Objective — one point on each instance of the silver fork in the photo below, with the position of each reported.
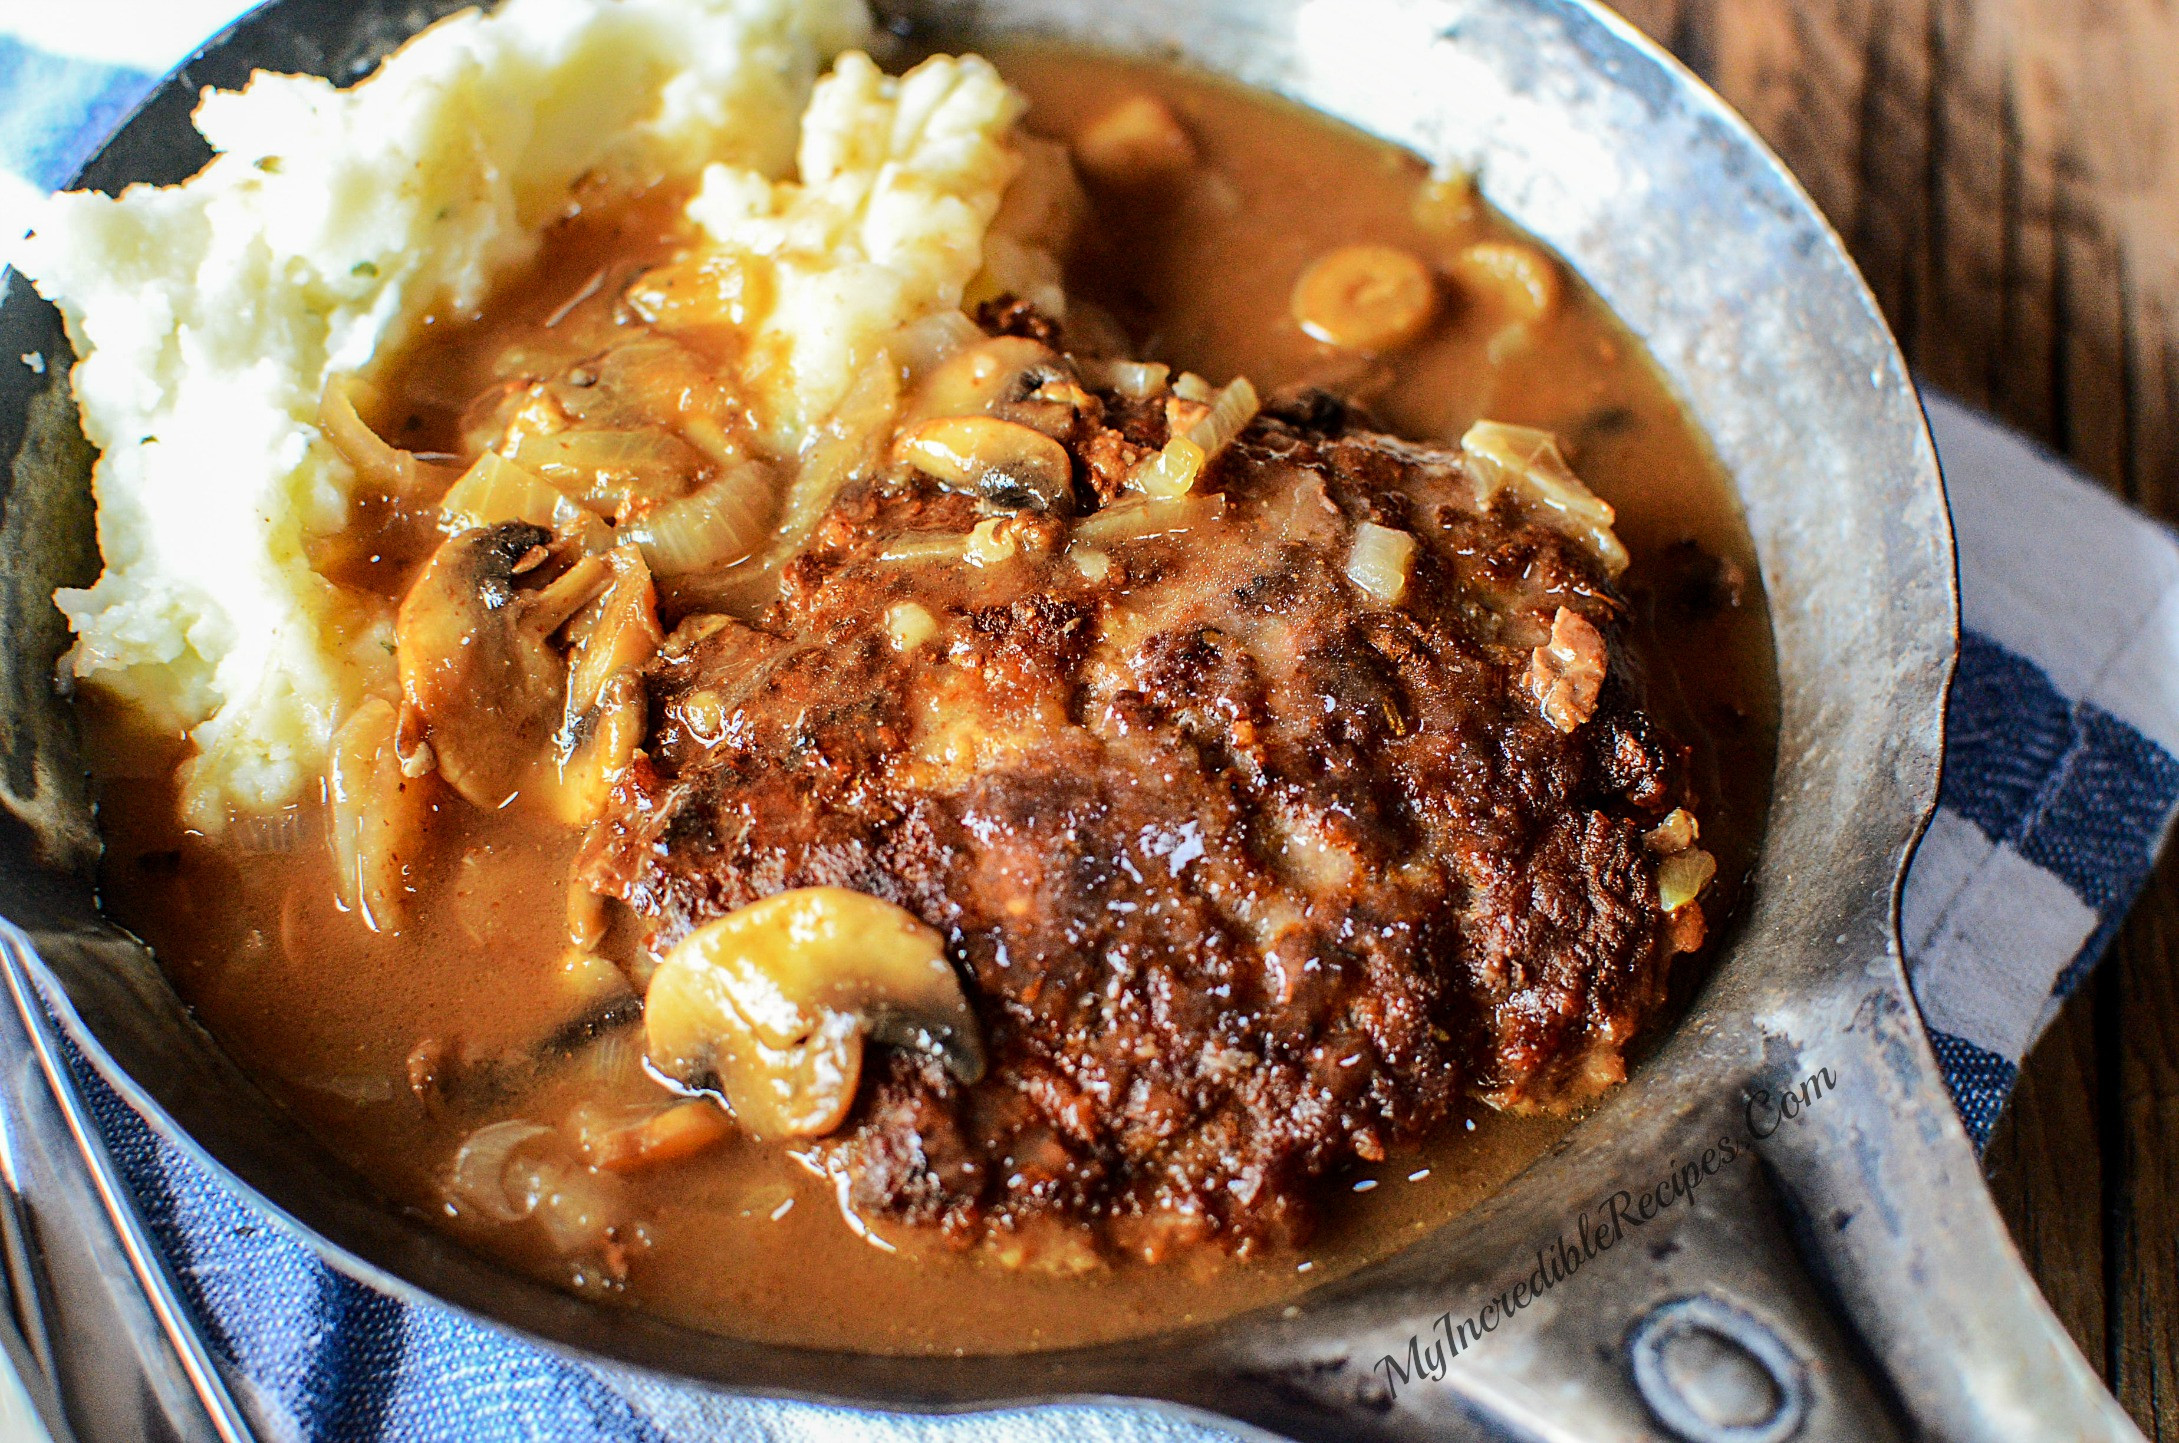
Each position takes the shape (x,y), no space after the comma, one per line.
(94,1322)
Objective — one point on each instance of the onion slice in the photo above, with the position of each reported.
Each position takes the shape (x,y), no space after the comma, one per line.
(604,468)
(1229,415)
(1528,462)
(1136,380)
(1145,517)
(377,463)
(720,523)
(921,345)
(483,1171)
(1380,561)
(279,832)
(1175,469)
(849,444)
(496,489)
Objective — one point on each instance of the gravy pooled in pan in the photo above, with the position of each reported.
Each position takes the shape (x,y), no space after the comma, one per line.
(1202,784)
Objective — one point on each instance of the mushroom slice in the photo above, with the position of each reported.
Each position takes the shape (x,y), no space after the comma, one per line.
(1004,462)
(696,1036)
(989,373)
(475,661)
(774,1000)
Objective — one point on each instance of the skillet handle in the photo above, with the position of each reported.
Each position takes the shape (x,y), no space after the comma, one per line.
(1701,1325)
(1846,1279)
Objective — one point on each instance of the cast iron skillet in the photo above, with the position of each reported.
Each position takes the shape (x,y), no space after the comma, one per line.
(1843,1276)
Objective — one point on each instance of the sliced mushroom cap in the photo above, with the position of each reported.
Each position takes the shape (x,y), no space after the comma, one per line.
(1366,298)
(697,1036)
(1004,462)
(772,1002)
(471,642)
(989,373)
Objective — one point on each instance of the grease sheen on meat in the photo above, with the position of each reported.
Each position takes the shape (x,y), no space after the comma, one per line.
(1247,872)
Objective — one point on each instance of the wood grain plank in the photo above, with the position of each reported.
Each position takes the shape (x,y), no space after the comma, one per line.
(2026,389)
(2093,101)
(2093,422)
(1659,19)
(2144,1311)
(1844,113)
(2007,175)
(2152,364)
(1960,343)
(2045,1169)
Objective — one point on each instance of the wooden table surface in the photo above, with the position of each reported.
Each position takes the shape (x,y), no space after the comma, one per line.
(2007,174)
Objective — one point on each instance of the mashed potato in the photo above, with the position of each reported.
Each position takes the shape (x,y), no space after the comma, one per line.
(898,182)
(208,316)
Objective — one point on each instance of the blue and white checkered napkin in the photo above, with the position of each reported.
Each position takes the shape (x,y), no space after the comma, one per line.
(2061,763)
(2060,780)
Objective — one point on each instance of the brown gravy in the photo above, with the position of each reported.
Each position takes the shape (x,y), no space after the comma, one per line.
(742,1239)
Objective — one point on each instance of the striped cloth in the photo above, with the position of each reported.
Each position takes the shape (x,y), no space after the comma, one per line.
(2060,781)
(2060,774)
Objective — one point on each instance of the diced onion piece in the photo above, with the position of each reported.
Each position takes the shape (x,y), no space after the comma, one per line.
(1229,415)
(1191,387)
(387,467)
(1682,875)
(589,984)
(1171,472)
(1136,380)
(990,543)
(1380,561)
(921,346)
(485,1176)
(910,625)
(1094,565)
(720,523)
(1148,516)
(496,489)
(1676,833)
(1446,203)
(703,712)
(607,468)
(1528,462)
(924,546)
(575,1207)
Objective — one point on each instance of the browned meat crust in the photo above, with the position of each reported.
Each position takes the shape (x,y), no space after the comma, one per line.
(1247,873)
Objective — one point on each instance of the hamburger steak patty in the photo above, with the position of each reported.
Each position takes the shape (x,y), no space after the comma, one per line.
(1247,871)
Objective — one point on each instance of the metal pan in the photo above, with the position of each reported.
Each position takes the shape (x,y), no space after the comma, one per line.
(1776,1230)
